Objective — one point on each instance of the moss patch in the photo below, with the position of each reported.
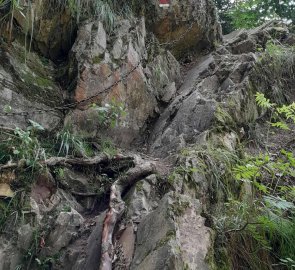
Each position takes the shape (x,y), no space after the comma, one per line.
(97,59)
(34,76)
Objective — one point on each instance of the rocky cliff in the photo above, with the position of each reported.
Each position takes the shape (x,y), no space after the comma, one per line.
(149,95)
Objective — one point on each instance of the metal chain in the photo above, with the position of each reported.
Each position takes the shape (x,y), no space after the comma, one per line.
(180,37)
(67,106)
(73,105)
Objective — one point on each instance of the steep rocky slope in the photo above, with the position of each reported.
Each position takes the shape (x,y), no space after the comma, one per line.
(70,214)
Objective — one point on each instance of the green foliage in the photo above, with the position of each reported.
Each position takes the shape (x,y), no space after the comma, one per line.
(234,215)
(110,114)
(32,258)
(12,209)
(281,115)
(71,144)
(31,146)
(223,7)
(288,262)
(262,101)
(266,172)
(103,10)
(251,13)
(278,224)
(252,230)
(223,117)
(108,147)
(215,163)
(45,263)
(274,73)
(183,172)
(7,10)
(246,14)
(23,145)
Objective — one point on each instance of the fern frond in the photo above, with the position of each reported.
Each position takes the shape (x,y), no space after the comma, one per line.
(262,101)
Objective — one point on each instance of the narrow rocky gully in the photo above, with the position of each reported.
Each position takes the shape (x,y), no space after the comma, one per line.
(108,128)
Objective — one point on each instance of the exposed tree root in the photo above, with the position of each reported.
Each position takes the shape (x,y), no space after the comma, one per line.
(89,194)
(117,207)
(53,161)
(6,129)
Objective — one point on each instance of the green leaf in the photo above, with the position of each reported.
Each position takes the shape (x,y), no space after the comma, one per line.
(281,125)
(7,109)
(16,152)
(36,125)
(263,102)
(260,187)
(278,202)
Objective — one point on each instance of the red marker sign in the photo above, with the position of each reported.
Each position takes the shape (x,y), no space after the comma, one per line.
(164,3)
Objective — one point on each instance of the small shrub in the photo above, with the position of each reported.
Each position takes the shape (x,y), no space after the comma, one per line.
(71,144)
(274,73)
(110,114)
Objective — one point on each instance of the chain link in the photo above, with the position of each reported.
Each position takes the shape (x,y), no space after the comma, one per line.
(180,37)
(66,107)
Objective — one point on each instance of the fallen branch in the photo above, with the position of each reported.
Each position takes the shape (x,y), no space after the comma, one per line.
(117,207)
(54,161)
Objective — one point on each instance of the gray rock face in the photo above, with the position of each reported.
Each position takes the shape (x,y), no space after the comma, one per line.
(20,104)
(52,32)
(101,65)
(10,256)
(74,181)
(29,87)
(218,88)
(142,199)
(154,233)
(153,229)
(164,237)
(25,236)
(185,24)
(65,229)
(84,254)
(189,114)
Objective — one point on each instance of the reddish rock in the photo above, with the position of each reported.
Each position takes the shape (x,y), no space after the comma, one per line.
(43,188)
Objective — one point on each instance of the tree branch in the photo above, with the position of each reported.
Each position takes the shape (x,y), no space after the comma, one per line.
(54,161)
(243,227)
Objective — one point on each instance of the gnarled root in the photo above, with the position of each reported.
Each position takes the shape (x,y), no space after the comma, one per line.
(117,207)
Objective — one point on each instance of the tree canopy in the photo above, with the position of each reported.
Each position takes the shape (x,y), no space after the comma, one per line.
(236,14)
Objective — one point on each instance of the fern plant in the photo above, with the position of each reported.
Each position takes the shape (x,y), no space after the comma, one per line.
(280,115)
(269,221)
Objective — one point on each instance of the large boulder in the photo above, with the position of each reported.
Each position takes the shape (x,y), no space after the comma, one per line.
(220,89)
(119,70)
(50,25)
(10,256)
(190,25)
(167,237)
(27,84)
